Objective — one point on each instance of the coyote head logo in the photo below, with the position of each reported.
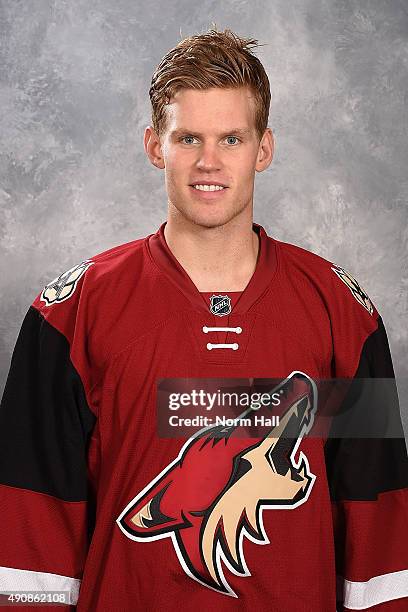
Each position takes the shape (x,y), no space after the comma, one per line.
(215,491)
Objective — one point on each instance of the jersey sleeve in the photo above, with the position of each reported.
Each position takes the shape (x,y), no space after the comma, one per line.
(368,472)
(46,423)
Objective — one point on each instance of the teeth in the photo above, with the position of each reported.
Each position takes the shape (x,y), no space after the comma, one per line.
(208,187)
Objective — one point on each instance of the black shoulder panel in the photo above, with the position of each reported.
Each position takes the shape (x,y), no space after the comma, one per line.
(361,468)
(45,421)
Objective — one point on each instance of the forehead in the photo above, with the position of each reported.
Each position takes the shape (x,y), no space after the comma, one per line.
(212,108)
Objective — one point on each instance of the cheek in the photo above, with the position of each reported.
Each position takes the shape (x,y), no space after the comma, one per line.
(176,163)
(244,165)
(176,177)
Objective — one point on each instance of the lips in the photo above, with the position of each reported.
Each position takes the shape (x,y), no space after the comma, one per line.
(208,195)
(209,183)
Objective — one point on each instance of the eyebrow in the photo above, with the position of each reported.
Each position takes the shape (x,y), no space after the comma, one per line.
(240,131)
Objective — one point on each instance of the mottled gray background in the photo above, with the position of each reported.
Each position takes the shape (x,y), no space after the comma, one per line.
(74,103)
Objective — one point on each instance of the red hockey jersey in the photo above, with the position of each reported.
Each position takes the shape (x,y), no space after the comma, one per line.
(95,503)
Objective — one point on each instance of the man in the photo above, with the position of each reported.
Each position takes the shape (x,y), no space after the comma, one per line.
(101,499)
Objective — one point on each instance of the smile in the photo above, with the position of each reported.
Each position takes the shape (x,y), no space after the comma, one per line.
(208,187)
(208,192)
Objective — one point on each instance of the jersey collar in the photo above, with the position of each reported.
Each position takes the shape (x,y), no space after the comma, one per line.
(265,270)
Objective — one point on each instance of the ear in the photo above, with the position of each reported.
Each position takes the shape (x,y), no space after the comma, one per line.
(152,147)
(144,517)
(265,151)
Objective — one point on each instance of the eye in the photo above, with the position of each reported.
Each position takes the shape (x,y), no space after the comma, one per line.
(241,467)
(233,137)
(184,137)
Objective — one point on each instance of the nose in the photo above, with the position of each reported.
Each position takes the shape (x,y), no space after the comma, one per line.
(208,157)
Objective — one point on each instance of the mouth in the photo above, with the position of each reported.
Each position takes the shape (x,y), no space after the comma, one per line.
(213,194)
(280,453)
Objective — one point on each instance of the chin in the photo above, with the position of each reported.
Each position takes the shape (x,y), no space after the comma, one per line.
(209,218)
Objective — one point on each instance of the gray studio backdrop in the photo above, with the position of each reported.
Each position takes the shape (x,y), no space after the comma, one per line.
(74,104)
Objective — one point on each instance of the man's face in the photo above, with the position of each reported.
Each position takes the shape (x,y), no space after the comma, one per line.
(210,138)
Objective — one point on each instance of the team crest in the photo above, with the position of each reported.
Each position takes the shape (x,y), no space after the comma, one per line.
(64,285)
(220,305)
(214,493)
(355,288)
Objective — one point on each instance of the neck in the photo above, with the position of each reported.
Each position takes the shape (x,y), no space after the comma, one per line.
(216,258)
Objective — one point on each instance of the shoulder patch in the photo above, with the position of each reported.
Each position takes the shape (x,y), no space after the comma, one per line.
(64,285)
(356,289)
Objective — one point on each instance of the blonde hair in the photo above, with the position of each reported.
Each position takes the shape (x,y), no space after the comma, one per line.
(213,59)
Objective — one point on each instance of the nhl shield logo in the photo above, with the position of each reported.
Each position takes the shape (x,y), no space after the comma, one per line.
(220,305)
